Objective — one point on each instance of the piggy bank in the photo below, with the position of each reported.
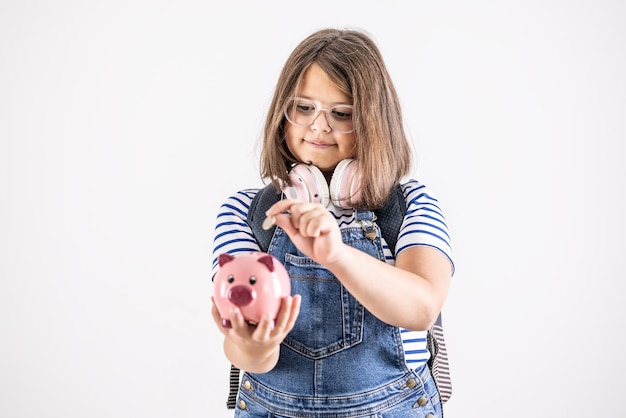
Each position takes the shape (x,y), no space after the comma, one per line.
(255,282)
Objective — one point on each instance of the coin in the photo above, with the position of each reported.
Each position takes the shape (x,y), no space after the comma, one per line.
(268,222)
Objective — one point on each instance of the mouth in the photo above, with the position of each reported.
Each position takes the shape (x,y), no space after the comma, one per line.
(318,144)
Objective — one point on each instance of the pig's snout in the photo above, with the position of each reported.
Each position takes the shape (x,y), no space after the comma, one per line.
(241,295)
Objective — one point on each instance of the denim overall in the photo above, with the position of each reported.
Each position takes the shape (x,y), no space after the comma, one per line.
(339,360)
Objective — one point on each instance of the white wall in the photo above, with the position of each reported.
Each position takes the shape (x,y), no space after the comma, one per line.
(124,124)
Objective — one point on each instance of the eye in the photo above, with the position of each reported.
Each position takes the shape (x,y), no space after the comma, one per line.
(231,278)
(304,108)
(342,113)
(252,280)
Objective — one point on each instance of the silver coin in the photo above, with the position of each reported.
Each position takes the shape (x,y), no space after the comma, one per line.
(269,222)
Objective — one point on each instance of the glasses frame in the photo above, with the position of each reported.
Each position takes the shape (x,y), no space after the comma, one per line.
(318,109)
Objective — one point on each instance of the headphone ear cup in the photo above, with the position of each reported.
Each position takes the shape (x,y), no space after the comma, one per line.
(308,184)
(345,184)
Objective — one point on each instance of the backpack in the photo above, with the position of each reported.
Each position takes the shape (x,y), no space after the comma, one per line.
(389,219)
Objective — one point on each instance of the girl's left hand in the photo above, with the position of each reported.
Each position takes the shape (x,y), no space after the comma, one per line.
(311,227)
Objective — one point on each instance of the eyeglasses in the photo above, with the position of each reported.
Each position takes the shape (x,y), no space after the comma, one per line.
(303,112)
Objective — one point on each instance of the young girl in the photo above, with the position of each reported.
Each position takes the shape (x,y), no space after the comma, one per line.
(350,341)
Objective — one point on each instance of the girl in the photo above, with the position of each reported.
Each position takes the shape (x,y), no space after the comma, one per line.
(350,341)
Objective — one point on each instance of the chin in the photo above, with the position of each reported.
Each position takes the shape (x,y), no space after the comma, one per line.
(324,168)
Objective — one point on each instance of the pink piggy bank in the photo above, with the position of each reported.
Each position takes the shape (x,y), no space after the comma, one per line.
(255,282)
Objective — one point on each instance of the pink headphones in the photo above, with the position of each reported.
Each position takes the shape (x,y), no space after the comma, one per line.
(309,184)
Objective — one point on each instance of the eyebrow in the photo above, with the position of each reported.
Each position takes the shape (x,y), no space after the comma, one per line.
(319,101)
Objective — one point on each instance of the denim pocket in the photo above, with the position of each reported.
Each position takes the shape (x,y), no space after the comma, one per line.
(331,319)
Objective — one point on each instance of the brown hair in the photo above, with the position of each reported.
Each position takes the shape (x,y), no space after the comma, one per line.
(354,63)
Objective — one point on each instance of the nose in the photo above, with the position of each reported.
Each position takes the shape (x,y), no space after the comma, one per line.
(241,295)
(320,123)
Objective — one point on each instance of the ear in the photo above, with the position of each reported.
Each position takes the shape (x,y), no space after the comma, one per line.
(268,261)
(224,258)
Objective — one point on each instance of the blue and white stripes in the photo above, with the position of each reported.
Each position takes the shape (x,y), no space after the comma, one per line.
(414,344)
(424,223)
(232,233)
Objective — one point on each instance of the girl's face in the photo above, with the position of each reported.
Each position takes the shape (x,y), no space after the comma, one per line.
(318,143)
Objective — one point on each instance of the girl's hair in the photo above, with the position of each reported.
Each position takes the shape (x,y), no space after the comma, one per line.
(355,65)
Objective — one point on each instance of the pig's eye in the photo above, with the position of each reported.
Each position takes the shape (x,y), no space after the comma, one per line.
(252,280)
(231,278)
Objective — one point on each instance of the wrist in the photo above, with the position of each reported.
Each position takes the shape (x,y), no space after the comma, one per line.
(254,361)
(340,259)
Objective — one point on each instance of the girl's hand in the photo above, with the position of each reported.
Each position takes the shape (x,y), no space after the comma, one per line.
(311,227)
(256,342)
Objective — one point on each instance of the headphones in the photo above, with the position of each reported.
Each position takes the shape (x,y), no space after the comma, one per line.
(308,184)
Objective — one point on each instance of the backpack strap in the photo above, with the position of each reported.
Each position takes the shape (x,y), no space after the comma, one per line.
(261,202)
(390,217)
(233,387)
(438,361)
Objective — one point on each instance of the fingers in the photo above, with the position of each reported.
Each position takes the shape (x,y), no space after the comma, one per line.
(312,223)
(284,221)
(289,311)
(267,330)
(294,311)
(237,321)
(217,317)
(282,206)
(309,219)
(276,330)
(215,313)
(238,325)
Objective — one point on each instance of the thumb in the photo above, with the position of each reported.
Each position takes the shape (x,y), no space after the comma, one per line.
(284,221)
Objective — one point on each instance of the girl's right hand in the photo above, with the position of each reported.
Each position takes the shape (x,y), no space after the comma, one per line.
(254,348)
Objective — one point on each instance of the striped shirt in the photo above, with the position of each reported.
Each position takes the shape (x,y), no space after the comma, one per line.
(423,225)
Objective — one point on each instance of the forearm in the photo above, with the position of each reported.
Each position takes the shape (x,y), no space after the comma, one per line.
(394,295)
(409,294)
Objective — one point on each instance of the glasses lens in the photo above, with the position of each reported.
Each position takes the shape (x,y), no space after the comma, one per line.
(302,112)
(340,118)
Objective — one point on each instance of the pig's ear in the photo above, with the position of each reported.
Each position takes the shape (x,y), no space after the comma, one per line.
(268,261)
(224,258)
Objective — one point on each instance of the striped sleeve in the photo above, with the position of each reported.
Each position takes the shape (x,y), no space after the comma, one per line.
(232,233)
(415,348)
(424,223)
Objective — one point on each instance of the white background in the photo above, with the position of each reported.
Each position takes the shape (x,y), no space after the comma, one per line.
(124,124)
